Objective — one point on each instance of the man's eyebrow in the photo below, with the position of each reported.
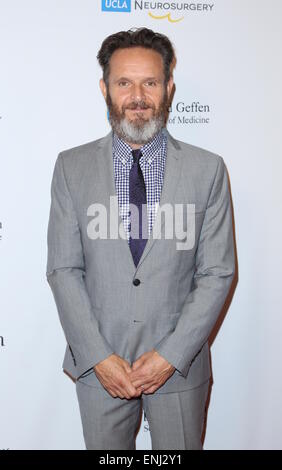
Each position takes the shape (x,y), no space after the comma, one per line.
(129,80)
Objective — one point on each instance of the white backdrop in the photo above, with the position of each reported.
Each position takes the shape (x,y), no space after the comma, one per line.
(229,60)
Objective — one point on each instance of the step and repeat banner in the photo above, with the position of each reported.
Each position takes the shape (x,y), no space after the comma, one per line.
(227,100)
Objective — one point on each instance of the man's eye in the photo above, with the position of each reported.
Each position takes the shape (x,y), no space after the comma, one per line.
(123,83)
(151,83)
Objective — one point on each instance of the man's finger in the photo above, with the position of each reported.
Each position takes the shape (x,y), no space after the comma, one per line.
(136,364)
(129,388)
(112,392)
(138,373)
(150,390)
(146,383)
(127,368)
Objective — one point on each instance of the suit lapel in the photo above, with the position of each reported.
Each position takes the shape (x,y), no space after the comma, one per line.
(171,176)
(106,170)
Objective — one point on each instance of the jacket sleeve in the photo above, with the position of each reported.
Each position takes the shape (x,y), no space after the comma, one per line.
(215,267)
(65,275)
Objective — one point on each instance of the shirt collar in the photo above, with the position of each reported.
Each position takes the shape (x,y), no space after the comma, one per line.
(149,150)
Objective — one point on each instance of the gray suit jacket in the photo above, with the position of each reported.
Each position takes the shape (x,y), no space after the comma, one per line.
(181,293)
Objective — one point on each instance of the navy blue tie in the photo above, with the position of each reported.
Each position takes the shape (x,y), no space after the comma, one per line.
(137,196)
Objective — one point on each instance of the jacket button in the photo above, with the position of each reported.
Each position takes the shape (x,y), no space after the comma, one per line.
(136,282)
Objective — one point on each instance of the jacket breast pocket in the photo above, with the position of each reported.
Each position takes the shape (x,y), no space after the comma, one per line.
(188,222)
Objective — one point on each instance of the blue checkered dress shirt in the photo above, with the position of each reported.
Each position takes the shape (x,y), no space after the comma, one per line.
(152,163)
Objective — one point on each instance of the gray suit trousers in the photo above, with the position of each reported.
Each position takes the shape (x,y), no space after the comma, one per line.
(175,419)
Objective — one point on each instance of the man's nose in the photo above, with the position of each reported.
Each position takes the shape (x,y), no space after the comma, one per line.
(137,92)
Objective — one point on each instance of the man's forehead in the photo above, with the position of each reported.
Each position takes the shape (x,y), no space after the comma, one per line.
(134,56)
(128,61)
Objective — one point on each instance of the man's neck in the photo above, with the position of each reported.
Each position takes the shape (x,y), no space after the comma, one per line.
(138,146)
(134,146)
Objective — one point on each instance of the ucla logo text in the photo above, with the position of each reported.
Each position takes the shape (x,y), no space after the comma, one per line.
(116,5)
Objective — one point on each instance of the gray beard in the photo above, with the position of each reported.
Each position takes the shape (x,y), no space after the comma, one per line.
(137,133)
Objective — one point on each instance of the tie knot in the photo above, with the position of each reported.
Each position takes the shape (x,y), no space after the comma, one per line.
(136,155)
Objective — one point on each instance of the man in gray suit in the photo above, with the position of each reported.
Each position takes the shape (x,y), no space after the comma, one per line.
(137,308)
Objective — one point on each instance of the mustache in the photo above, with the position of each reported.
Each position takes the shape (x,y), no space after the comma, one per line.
(138,105)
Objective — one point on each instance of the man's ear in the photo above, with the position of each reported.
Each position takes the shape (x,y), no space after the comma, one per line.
(103,87)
